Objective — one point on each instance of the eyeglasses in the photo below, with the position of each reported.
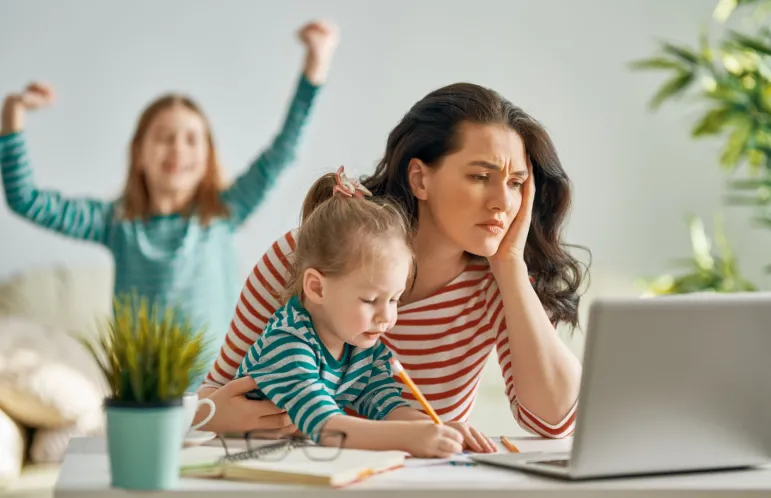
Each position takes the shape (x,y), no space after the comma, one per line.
(265,445)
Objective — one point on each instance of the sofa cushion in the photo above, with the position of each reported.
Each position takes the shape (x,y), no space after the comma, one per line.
(50,445)
(47,379)
(13,444)
(69,298)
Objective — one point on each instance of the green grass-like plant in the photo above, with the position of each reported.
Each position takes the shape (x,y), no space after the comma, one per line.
(147,353)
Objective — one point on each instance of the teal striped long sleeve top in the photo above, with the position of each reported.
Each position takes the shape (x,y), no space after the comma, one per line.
(172,260)
(294,370)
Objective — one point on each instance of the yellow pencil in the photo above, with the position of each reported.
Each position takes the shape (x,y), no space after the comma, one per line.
(509,445)
(398,369)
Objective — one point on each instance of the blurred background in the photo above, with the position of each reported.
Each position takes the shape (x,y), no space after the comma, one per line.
(637,174)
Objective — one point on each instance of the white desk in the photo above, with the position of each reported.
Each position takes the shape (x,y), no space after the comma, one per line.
(85,473)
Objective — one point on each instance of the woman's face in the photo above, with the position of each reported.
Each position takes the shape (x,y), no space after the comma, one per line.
(473,194)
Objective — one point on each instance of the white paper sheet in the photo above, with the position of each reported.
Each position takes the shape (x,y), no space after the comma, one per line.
(444,477)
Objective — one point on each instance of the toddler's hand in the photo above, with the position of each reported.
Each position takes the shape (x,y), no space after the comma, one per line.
(429,440)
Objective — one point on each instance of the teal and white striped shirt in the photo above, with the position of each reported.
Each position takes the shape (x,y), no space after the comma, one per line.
(294,370)
(172,260)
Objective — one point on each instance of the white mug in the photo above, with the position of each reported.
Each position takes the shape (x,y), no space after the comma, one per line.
(191,404)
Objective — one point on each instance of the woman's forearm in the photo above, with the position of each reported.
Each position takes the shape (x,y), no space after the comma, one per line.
(546,373)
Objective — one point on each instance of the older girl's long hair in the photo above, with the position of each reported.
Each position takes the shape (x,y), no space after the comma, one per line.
(207,203)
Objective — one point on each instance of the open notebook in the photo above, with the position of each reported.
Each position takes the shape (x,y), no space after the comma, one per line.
(295,468)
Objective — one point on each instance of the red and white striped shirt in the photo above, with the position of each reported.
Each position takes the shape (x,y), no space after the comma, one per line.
(442,341)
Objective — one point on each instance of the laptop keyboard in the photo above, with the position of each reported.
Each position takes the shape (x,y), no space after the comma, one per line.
(563,462)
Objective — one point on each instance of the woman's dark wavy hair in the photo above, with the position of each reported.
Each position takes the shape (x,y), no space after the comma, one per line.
(430,131)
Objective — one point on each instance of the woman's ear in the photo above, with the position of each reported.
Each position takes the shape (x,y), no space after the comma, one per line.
(313,285)
(417,175)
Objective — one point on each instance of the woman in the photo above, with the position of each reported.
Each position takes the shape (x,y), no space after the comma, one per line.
(487,196)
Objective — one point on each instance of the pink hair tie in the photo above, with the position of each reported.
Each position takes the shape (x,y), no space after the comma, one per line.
(349,187)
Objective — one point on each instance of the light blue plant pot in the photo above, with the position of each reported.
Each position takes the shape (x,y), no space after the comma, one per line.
(144,442)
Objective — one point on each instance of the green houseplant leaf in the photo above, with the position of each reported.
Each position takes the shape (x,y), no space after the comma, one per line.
(713,266)
(147,353)
(732,79)
(675,86)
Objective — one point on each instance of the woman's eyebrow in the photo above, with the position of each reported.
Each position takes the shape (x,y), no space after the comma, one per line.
(496,167)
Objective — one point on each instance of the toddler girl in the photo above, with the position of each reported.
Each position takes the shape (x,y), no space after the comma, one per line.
(320,353)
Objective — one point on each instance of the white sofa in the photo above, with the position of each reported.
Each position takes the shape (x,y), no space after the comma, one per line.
(51,301)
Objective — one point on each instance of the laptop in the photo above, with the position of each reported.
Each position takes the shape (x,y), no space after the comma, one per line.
(670,384)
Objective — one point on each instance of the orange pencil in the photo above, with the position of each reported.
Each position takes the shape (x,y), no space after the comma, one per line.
(509,445)
(398,369)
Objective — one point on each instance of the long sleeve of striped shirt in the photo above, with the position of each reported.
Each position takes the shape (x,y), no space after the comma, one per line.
(250,189)
(286,371)
(83,218)
(383,394)
(524,417)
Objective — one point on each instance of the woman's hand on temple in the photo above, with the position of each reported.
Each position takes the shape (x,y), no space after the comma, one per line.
(236,413)
(512,248)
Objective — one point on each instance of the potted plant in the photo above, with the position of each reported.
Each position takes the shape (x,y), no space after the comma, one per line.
(731,80)
(148,356)
(710,271)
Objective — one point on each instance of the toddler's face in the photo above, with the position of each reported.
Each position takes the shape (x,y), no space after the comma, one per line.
(363,302)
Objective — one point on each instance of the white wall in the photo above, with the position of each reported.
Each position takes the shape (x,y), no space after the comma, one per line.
(564,61)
